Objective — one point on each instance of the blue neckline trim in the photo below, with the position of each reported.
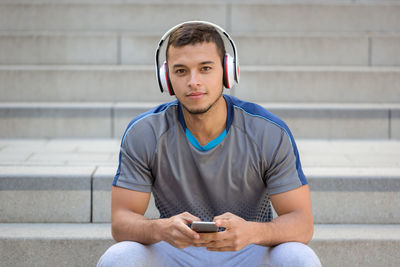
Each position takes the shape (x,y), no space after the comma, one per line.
(208,146)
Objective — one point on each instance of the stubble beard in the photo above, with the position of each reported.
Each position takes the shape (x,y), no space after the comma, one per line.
(202,110)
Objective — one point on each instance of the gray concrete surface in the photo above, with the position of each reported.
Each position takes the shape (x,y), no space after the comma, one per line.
(333,16)
(48,120)
(45,194)
(137,17)
(306,49)
(319,84)
(355,195)
(357,245)
(79,83)
(53,244)
(395,124)
(386,51)
(319,17)
(58,48)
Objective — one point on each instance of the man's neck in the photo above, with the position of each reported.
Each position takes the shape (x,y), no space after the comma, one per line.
(209,125)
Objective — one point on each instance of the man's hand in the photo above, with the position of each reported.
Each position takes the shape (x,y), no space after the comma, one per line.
(176,232)
(236,236)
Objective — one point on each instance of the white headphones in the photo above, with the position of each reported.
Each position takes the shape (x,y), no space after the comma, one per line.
(230,64)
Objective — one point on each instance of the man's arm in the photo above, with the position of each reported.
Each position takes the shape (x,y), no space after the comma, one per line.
(128,222)
(295,223)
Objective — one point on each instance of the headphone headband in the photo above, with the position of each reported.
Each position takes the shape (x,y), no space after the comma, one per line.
(166,35)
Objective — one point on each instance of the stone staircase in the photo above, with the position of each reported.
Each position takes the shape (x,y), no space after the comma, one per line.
(73,73)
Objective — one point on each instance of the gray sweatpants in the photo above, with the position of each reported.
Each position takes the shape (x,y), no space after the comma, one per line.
(129,253)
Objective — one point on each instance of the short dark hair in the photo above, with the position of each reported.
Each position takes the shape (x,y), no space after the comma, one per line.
(193,33)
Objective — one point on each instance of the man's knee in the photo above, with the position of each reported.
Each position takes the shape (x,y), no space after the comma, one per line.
(293,254)
(125,253)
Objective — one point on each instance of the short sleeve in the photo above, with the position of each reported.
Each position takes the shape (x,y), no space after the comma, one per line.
(284,171)
(135,159)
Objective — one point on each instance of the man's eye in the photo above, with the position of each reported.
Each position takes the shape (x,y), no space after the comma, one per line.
(179,71)
(206,68)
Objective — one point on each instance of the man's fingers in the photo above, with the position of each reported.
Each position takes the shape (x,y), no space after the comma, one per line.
(205,238)
(225,220)
(225,223)
(226,215)
(209,238)
(181,236)
(182,244)
(189,233)
(224,249)
(188,218)
(222,245)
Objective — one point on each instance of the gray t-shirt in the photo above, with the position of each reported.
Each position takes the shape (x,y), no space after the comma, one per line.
(255,157)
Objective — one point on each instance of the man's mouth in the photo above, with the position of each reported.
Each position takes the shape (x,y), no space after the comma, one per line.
(196,95)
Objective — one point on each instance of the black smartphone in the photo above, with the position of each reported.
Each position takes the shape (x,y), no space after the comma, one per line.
(204,227)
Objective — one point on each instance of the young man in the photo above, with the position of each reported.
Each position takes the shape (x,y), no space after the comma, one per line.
(210,157)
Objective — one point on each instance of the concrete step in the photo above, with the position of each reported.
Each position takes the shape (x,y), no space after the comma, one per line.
(253,16)
(79,83)
(73,15)
(355,195)
(319,48)
(357,245)
(59,48)
(280,48)
(109,120)
(53,244)
(90,152)
(70,180)
(258,83)
(319,84)
(83,244)
(46,194)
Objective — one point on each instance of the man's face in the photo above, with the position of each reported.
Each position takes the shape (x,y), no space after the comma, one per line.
(196,75)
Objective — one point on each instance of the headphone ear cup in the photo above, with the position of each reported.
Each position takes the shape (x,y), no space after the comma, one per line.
(164,78)
(229,75)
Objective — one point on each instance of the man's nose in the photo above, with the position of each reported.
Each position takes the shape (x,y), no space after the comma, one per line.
(194,79)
